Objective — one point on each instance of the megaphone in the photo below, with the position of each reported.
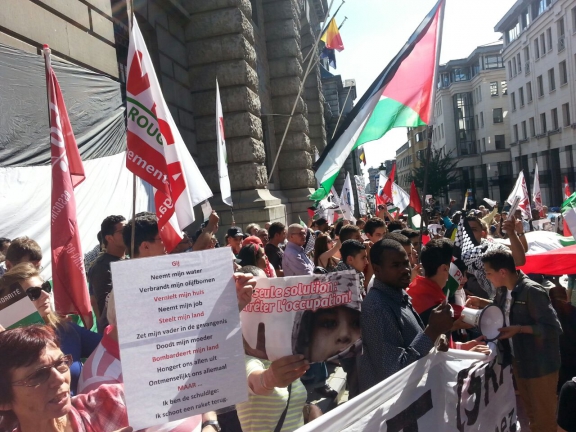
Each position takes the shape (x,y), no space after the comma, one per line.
(488,320)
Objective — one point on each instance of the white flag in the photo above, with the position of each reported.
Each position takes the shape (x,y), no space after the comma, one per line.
(536,194)
(521,191)
(400,198)
(156,151)
(347,199)
(222,157)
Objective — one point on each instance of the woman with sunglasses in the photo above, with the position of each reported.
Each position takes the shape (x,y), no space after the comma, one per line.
(35,388)
(74,340)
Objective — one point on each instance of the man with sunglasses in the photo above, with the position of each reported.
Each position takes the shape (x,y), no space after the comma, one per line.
(99,275)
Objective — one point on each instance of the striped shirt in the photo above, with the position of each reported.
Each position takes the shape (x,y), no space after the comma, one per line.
(262,413)
(104,367)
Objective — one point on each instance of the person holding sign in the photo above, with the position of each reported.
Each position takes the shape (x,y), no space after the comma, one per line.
(76,341)
(35,388)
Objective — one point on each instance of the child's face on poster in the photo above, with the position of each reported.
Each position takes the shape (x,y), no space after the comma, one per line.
(334,330)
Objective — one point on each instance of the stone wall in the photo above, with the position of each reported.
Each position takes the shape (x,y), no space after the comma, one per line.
(79,31)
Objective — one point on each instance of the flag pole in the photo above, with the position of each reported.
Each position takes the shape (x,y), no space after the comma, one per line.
(130,4)
(308,68)
(431,127)
(341,112)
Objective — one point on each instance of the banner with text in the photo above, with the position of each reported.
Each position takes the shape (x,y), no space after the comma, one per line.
(362,200)
(456,391)
(305,315)
(181,355)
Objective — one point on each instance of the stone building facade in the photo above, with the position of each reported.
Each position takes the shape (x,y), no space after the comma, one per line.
(539,45)
(408,156)
(257,51)
(472,124)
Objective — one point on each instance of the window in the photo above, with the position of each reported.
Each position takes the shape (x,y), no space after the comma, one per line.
(497,115)
(482,119)
(513,32)
(483,144)
(521,96)
(529,91)
(549,38)
(527,54)
(525,19)
(513,101)
(494,88)
(515,131)
(476,121)
(536,49)
(504,86)
(563,73)
(543,128)
(532,127)
(493,62)
(442,130)
(554,113)
(514,70)
(524,132)
(574,20)
(461,74)
(499,141)
(519,62)
(540,86)
(566,114)
(543,44)
(560,28)
(551,80)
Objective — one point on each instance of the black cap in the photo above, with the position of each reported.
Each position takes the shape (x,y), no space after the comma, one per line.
(235,232)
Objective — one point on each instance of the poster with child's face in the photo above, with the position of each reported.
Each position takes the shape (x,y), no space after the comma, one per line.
(318,316)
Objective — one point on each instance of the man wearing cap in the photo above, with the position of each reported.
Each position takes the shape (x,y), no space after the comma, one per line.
(295,261)
(234,238)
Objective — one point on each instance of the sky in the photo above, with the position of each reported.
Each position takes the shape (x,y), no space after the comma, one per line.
(377,29)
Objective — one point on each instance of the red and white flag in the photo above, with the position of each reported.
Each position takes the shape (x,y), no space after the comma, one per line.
(567,194)
(225,190)
(68,273)
(387,190)
(521,190)
(156,151)
(536,195)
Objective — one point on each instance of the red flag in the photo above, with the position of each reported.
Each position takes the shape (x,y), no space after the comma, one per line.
(415,199)
(567,194)
(68,274)
(387,191)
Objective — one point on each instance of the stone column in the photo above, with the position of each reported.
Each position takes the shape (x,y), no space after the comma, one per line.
(283,44)
(220,44)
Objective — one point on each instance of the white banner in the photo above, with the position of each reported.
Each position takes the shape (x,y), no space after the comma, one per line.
(457,391)
(347,199)
(362,200)
(181,354)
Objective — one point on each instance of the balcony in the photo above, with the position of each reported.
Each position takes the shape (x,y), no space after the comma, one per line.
(527,68)
(561,43)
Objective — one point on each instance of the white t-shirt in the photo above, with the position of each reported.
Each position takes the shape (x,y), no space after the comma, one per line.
(507,307)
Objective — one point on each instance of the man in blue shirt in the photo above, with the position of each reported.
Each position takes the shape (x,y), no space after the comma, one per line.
(295,261)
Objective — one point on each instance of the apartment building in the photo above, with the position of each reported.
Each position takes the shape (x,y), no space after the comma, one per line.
(539,55)
(408,156)
(471,123)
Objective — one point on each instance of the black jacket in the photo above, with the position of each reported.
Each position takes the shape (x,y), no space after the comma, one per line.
(536,354)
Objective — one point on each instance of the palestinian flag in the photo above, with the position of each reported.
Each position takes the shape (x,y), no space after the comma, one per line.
(16,309)
(401,96)
(567,231)
(569,213)
(414,210)
(455,277)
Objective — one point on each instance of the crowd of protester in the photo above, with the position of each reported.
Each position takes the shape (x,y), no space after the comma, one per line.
(63,377)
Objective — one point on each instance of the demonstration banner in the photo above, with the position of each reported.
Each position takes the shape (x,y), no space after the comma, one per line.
(304,315)
(16,309)
(362,200)
(179,336)
(456,391)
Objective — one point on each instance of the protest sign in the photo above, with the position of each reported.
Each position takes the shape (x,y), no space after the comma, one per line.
(442,392)
(303,315)
(16,309)
(179,335)
(362,200)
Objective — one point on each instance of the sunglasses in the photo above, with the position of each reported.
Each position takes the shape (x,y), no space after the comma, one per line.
(35,292)
(40,376)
